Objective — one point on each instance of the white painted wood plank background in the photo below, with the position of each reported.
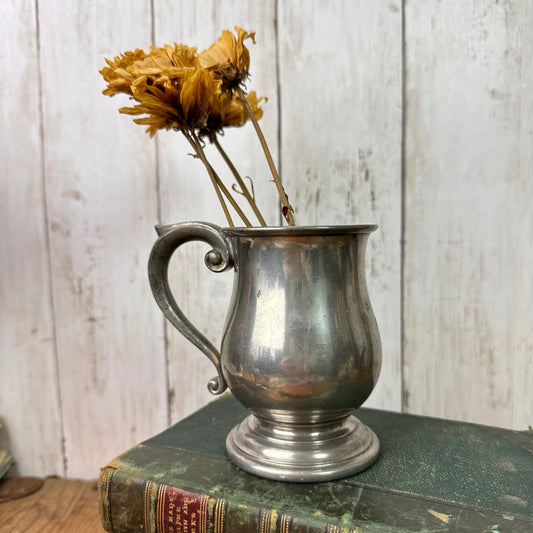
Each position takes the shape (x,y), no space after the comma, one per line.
(415,115)
(463,128)
(29,388)
(523,350)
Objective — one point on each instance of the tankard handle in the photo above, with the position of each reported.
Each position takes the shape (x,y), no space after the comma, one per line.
(219,259)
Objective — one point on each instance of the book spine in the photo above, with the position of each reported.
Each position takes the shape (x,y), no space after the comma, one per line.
(130,505)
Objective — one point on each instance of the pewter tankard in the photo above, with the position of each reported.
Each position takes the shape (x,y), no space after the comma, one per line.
(300,348)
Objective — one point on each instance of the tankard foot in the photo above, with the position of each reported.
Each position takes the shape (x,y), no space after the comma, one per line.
(302,452)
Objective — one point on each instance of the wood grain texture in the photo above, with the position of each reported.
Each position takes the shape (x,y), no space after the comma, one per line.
(341,87)
(523,351)
(101,195)
(29,401)
(61,505)
(463,107)
(186,193)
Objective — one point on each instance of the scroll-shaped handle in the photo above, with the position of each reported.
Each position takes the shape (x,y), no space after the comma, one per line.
(219,259)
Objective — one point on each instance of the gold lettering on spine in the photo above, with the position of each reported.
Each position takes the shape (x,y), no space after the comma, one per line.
(170,517)
(179,511)
(185,512)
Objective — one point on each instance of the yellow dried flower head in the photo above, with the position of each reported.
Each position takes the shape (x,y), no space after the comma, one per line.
(182,105)
(229,58)
(198,89)
(175,92)
(254,102)
(163,65)
(229,112)
(224,111)
(116,74)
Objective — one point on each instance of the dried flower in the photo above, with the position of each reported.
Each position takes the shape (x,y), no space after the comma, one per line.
(254,102)
(229,112)
(164,65)
(174,91)
(116,74)
(180,103)
(198,94)
(229,58)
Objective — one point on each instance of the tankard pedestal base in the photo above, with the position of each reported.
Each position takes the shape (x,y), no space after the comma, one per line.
(302,452)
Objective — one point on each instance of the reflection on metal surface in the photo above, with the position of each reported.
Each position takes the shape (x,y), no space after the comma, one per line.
(269,325)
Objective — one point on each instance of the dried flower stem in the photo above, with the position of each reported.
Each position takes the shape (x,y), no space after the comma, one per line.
(287,207)
(220,188)
(230,198)
(199,151)
(242,185)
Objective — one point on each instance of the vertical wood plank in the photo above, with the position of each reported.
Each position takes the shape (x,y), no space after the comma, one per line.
(523,387)
(102,201)
(462,188)
(341,86)
(29,400)
(186,193)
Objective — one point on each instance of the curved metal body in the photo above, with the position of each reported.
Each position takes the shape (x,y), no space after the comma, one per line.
(300,349)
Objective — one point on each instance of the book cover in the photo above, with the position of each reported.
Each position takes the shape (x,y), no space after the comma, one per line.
(432,475)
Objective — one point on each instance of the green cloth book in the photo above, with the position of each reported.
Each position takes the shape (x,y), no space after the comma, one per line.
(432,475)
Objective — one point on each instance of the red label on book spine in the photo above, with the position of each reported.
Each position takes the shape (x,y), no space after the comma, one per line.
(181,511)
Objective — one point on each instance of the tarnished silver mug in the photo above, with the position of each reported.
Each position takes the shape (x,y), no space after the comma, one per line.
(300,348)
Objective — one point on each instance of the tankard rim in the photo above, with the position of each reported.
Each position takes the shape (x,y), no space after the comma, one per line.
(273,231)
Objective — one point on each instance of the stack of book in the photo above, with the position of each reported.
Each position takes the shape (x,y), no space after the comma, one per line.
(432,475)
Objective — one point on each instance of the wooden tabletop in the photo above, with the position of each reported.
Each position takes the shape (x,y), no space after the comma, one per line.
(60,505)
